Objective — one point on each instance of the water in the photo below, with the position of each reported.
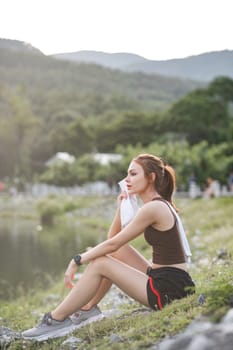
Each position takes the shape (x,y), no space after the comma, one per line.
(31,256)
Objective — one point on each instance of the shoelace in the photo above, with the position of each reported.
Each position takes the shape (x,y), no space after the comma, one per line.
(47,319)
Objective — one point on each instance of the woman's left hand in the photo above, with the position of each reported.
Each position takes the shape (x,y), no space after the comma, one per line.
(69,274)
(121,196)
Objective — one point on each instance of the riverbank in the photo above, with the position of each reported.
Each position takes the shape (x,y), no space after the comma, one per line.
(38,251)
(209,228)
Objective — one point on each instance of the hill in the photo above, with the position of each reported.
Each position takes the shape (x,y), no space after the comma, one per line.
(86,89)
(206,66)
(49,106)
(203,67)
(17,45)
(110,60)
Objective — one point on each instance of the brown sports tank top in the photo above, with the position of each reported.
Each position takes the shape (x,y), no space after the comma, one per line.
(167,246)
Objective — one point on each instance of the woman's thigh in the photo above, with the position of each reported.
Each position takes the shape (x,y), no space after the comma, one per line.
(130,256)
(130,280)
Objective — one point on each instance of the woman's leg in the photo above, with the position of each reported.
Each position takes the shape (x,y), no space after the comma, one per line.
(133,282)
(129,256)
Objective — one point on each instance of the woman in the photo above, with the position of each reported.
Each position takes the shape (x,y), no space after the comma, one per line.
(151,284)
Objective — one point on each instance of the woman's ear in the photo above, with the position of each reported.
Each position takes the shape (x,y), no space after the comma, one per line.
(152,177)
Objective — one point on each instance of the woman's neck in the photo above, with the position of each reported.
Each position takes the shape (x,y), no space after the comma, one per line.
(148,197)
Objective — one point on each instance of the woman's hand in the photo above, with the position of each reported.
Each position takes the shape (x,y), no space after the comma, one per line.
(122,195)
(69,274)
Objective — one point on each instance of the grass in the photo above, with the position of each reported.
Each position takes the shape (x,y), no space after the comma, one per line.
(209,228)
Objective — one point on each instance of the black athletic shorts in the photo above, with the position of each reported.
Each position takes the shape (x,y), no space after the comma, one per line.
(166,284)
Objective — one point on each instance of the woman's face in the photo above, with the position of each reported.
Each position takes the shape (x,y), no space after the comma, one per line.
(136,181)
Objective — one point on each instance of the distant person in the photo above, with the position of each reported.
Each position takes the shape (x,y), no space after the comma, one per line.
(213,188)
(2,186)
(192,179)
(153,284)
(230,182)
(194,190)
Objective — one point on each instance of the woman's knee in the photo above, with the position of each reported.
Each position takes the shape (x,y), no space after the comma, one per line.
(99,263)
(103,266)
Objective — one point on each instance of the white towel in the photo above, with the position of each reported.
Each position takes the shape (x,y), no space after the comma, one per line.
(129,208)
(129,205)
(183,236)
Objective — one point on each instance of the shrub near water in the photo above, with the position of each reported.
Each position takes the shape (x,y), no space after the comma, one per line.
(54,206)
(48,208)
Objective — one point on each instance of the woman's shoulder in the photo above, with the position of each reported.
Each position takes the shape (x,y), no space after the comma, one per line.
(158,203)
(159,207)
(156,206)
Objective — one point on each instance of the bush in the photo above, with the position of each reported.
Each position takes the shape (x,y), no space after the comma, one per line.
(48,208)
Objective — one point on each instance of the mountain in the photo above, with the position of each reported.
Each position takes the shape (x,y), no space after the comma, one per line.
(110,60)
(203,67)
(17,45)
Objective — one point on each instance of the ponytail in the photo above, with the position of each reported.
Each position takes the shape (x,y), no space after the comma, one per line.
(168,185)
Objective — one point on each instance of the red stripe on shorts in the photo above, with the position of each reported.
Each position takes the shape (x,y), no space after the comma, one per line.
(156,293)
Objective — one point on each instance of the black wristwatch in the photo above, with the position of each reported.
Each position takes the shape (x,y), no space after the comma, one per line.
(77,258)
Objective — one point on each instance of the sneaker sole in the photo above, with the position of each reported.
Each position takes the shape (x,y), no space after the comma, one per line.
(55,334)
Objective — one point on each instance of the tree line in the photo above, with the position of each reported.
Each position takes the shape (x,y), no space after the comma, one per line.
(195,135)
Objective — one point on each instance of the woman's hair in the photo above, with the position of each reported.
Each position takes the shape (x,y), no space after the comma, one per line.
(165,180)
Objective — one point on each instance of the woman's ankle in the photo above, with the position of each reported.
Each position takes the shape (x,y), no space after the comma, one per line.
(57,317)
(87,307)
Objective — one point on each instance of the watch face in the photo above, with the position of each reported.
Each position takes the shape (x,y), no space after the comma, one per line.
(77,259)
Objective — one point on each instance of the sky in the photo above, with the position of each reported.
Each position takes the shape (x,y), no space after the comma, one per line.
(154,29)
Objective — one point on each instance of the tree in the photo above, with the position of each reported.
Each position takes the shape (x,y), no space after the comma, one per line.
(203,113)
(127,129)
(76,138)
(17,131)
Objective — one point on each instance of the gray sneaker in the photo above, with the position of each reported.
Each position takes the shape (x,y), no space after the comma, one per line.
(49,328)
(83,315)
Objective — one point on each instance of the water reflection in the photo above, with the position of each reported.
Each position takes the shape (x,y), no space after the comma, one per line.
(29,256)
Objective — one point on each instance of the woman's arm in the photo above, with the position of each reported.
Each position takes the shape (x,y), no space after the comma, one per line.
(144,218)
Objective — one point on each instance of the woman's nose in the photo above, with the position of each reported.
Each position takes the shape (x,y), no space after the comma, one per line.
(127,178)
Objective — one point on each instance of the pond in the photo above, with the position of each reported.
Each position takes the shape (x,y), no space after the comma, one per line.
(32,256)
